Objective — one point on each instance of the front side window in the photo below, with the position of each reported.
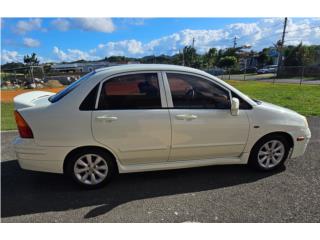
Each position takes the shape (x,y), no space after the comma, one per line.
(134,91)
(190,91)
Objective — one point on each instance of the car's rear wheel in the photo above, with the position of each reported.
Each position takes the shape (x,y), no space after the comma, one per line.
(91,168)
(269,152)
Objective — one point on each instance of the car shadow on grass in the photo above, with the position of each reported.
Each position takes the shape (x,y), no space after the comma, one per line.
(26,192)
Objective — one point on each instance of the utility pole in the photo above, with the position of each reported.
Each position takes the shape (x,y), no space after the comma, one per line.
(192,51)
(182,56)
(235,41)
(281,46)
(183,62)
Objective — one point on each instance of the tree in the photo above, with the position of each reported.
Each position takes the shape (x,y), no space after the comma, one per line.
(117,59)
(231,52)
(31,60)
(198,62)
(190,54)
(293,56)
(177,59)
(210,58)
(227,62)
(264,57)
(8,66)
(301,55)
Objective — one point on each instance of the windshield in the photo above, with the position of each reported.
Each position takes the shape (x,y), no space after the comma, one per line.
(72,86)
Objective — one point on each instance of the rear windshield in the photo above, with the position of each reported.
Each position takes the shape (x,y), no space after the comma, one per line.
(72,86)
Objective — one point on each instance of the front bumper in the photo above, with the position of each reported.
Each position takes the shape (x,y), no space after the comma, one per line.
(39,158)
(300,147)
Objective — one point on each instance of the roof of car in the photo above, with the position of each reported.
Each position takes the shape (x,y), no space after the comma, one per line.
(146,67)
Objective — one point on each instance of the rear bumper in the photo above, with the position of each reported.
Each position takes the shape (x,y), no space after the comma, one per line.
(38,158)
(301,146)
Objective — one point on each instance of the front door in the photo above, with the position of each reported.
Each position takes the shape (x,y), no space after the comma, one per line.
(202,126)
(130,119)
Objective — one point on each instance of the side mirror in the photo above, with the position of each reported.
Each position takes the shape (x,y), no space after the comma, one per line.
(234,106)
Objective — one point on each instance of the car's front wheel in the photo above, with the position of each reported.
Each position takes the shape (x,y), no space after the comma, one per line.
(91,168)
(269,153)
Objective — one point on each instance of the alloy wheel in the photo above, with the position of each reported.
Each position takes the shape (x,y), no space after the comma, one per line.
(90,169)
(271,154)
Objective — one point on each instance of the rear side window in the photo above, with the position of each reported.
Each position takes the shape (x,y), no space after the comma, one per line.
(70,88)
(134,91)
(190,91)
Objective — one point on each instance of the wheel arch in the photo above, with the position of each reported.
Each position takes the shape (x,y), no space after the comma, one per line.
(82,148)
(287,136)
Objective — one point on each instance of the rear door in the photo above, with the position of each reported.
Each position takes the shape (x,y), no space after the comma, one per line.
(202,125)
(132,118)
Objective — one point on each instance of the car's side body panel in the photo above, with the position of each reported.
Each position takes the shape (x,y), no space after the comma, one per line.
(53,127)
(266,119)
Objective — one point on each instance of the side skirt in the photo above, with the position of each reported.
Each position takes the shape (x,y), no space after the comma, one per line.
(181,164)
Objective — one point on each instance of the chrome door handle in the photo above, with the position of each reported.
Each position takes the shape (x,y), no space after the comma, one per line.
(187,117)
(107,118)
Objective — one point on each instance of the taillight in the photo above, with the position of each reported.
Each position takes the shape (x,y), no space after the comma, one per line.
(23,127)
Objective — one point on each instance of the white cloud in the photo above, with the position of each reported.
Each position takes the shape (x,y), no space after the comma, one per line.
(204,39)
(31,43)
(126,47)
(244,29)
(61,24)
(266,32)
(14,56)
(86,24)
(10,56)
(26,26)
(262,33)
(72,55)
(95,24)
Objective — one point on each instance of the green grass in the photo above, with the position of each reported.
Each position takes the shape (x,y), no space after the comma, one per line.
(304,99)
(7,117)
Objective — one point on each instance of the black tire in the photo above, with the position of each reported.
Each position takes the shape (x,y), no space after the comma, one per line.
(253,158)
(108,159)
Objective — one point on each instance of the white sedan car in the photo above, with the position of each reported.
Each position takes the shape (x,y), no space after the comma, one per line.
(137,118)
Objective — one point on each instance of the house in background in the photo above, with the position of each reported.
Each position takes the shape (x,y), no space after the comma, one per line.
(248,62)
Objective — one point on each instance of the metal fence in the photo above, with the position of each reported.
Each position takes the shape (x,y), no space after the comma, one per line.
(285,74)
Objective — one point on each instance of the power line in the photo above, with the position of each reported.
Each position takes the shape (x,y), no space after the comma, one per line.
(297,30)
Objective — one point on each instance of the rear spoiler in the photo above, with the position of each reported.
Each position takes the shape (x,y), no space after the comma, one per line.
(31,99)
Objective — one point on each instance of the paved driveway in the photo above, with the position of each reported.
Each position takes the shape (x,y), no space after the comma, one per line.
(210,194)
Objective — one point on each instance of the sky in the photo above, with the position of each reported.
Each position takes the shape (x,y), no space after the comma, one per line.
(71,39)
